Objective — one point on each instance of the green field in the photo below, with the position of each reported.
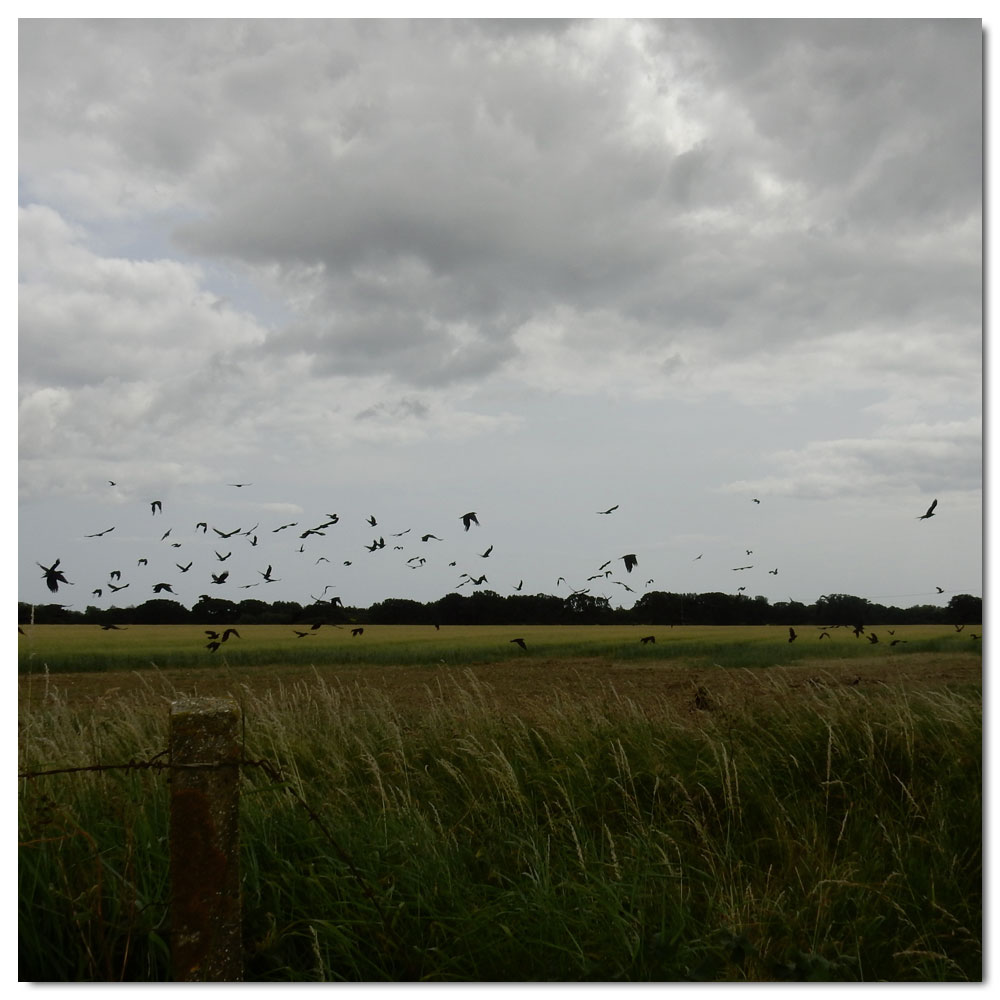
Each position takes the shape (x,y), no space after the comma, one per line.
(722,805)
(64,648)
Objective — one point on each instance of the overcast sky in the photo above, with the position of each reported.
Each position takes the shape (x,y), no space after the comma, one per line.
(528,269)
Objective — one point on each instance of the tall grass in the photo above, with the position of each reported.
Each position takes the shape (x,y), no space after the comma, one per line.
(836,836)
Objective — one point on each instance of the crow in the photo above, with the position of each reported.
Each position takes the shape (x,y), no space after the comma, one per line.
(98,592)
(226,534)
(203,525)
(53,576)
(211,633)
(282,527)
(143,562)
(301,634)
(424,538)
(116,589)
(221,578)
(872,638)
(160,587)
(267,576)
(939,590)
(399,534)
(773,572)
(372,521)
(213,645)
(791,634)
(221,557)
(755,500)
(609,510)
(958,628)
(930,512)
(858,630)
(99,533)
(647,638)
(469,519)
(240,485)
(115,627)
(894,641)
(630,561)
(521,643)
(485,555)
(115,574)
(625,585)
(357,631)
(231,631)
(155,506)
(519,585)
(478,581)
(696,558)
(184,569)
(824,635)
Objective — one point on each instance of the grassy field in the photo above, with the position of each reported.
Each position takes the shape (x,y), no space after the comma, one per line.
(721,805)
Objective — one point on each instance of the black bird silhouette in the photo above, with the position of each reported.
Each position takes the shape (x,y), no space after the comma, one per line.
(478,581)
(213,645)
(226,534)
(521,643)
(203,525)
(283,526)
(773,572)
(111,482)
(117,628)
(485,555)
(791,634)
(609,510)
(399,534)
(302,634)
(116,589)
(696,558)
(958,628)
(625,585)
(736,569)
(824,635)
(97,592)
(115,574)
(158,588)
(378,543)
(630,561)
(858,630)
(519,585)
(469,518)
(99,533)
(755,500)
(143,562)
(749,552)
(939,589)
(155,506)
(184,569)
(211,633)
(240,485)
(647,638)
(267,576)
(357,631)
(165,534)
(231,631)
(221,557)
(424,538)
(372,521)
(53,576)
(221,578)
(894,641)
(872,638)
(930,512)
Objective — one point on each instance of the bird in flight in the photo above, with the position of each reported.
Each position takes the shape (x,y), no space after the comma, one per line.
(226,534)
(143,562)
(521,643)
(485,555)
(221,577)
(160,587)
(267,576)
(519,585)
(221,557)
(240,485)
(940,590)
(184,569)
(792,636)
(358,631)
(155,506)
(755,500)
(53,576)
(117,628)
(630,561)
(424,538)
(609,510)
(696,558)
(647,638)
(99,533)
(372,521)
(116,589)
(469,519)
(773,572)
(930,512)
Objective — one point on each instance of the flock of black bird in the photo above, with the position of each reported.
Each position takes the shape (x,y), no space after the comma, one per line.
(55,577)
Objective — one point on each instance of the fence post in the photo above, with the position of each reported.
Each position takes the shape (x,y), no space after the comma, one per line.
(206,925)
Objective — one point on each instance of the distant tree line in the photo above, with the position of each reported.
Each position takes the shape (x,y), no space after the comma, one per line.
(485,607)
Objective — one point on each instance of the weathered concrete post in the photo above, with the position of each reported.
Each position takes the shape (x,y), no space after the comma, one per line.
(206,925)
